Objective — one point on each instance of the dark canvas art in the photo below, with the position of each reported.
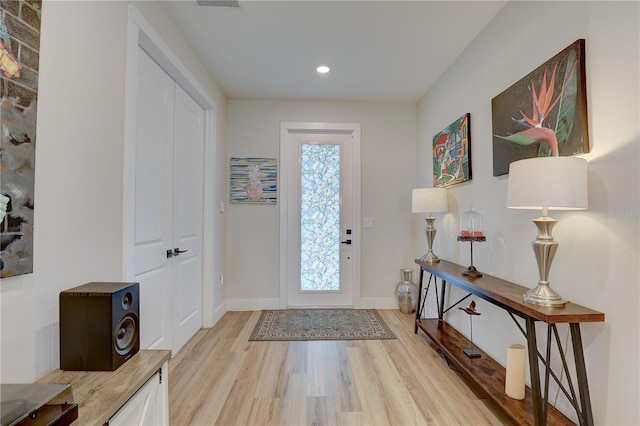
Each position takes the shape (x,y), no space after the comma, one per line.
(543,114)
(19,59)
(452,153)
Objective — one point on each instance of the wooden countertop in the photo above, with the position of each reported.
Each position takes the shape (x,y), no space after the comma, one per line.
(508,295)
(100,394)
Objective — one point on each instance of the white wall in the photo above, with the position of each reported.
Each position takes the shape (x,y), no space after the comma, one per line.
(597,262)
(388,175)
(78,179)
(78,187)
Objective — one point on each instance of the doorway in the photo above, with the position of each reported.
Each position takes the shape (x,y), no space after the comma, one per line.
(169,181)
(320,215)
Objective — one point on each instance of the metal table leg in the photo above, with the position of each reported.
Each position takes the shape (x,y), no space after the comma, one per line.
(415,327)
(532,347)
(441,306)
(581,373)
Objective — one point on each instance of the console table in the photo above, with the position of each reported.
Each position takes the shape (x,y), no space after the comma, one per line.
(485,373)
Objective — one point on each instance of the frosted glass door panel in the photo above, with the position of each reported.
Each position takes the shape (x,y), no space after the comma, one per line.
(320,217)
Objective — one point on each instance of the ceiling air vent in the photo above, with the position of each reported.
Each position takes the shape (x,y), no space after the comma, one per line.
(218,3)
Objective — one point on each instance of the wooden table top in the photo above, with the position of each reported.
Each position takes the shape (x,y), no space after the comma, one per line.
(508,295)
(100,394)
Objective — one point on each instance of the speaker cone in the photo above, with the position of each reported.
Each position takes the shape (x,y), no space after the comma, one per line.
(127,299)
(125,334)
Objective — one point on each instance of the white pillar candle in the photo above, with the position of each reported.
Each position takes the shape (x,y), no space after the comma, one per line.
(516,360)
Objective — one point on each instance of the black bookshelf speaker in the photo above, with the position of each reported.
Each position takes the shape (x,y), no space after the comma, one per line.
(99,326)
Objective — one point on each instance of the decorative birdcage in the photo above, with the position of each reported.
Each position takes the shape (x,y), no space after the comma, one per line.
(471,232)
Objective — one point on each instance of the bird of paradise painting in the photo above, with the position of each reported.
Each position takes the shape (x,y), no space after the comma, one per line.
(544,114)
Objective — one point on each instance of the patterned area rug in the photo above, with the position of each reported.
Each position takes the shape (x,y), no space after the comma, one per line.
(321,324)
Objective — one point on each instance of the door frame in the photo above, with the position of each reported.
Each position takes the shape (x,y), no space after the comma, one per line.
(141,33)
(286,129)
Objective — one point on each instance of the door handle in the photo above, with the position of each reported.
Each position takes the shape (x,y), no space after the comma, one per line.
(346,242)
(169,254)
(177,251)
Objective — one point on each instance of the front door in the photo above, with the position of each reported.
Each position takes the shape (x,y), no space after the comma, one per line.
(320,219)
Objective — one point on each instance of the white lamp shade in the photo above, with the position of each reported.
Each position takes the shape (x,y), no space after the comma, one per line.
(429,200)
(557,183)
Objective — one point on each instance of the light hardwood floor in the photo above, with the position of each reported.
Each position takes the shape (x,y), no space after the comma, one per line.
(222,378)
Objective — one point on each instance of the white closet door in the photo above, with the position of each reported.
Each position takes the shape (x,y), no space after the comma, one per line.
(187,217)
(153,204)
(169,163)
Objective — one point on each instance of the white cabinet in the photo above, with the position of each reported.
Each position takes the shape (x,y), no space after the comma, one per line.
(137,393)
(149,405)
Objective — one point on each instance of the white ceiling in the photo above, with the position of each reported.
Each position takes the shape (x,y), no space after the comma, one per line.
(377,50)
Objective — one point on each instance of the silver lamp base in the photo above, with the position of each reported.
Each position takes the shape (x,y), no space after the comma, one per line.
(544,247)
(430,256)
(544,295)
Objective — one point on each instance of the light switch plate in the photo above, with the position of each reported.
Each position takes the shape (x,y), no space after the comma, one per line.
(368,222)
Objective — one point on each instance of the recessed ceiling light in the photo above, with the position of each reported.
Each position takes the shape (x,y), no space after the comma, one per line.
(323,69)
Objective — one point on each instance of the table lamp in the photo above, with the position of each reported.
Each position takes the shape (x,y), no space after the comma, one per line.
(547,183)
(429,200)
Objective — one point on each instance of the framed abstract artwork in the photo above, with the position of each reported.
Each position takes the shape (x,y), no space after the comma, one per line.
(543,114)
(19,68)
(253,180)
(452,153)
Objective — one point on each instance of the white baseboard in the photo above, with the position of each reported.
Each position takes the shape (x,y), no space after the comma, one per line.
(252,304)
(260,304)
(219,312)
(378,303)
